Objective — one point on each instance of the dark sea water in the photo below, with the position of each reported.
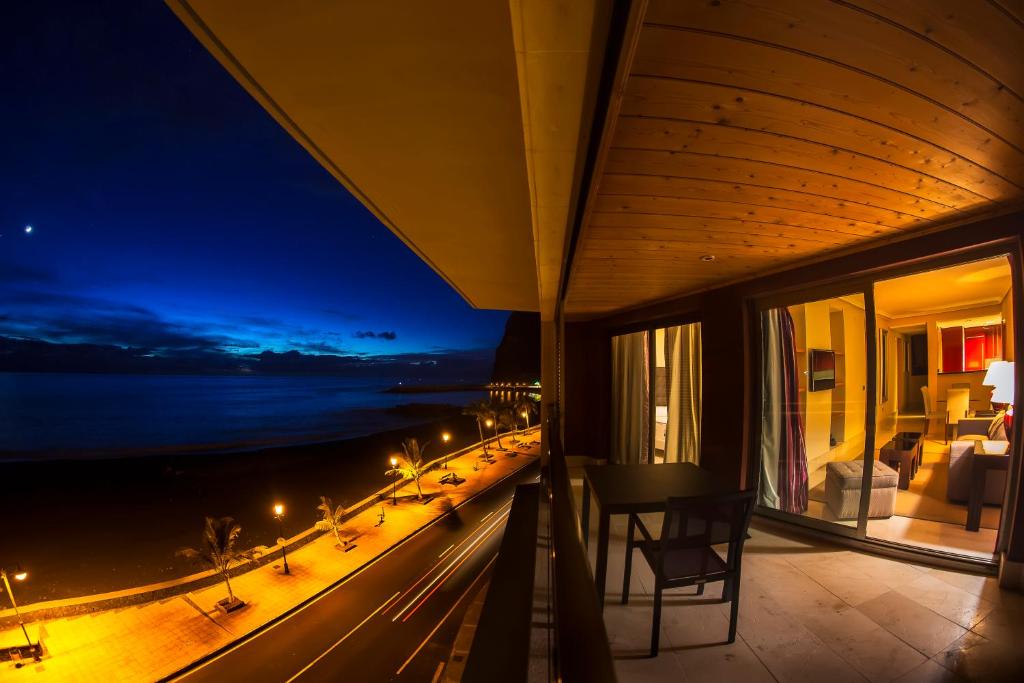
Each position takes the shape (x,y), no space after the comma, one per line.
(43,413)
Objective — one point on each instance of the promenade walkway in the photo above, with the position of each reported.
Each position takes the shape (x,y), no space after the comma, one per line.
(153,640)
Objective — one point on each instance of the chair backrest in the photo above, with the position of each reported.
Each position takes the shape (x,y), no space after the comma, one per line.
(927,401)
(706,521)
(958,402)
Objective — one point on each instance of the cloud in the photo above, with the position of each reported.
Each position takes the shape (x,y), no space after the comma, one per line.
(13,274)
(67,318)
(315,347)
(388,335)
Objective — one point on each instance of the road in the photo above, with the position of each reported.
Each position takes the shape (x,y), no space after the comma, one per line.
(394,620)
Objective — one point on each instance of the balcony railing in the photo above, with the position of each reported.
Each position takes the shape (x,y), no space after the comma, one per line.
(570,637)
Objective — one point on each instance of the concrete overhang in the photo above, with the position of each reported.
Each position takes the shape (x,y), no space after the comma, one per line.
(415,108)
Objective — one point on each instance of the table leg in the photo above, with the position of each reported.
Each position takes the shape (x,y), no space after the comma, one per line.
(601,572)
(585,518)
(975,497)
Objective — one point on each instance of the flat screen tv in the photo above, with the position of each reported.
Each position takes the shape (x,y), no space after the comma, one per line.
(821,369)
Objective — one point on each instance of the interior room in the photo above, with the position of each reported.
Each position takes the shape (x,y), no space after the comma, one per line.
(942,338)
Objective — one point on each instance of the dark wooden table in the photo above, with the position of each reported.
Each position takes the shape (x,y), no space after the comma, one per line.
(622,489)
(981,464)
(903,453)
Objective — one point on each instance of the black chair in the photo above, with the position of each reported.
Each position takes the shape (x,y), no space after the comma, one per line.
(683,555)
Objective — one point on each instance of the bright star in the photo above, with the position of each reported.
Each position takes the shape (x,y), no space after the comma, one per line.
(28,229)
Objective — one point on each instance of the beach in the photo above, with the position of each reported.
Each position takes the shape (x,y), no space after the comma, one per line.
(88,526)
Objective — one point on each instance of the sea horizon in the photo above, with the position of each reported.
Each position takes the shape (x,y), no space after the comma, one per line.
(47,415)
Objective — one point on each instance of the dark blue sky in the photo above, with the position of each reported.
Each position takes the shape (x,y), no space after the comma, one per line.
(169,211)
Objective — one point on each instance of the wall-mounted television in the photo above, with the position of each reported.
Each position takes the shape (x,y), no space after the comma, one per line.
(821,369)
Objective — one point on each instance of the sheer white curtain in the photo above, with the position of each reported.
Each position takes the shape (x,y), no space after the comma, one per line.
(771,390)
(683,374)
(630,398)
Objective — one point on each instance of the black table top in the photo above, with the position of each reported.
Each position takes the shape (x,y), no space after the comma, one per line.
(645,488)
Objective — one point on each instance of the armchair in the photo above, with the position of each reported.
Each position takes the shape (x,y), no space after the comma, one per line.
(972,431)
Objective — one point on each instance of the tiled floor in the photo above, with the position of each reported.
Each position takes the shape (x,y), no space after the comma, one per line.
(813,612)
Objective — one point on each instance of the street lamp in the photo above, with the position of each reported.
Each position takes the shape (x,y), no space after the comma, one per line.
(279,514)
(19,575)
(394,486)
(446,437)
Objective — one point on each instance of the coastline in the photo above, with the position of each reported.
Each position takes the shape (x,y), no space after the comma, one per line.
(98,548)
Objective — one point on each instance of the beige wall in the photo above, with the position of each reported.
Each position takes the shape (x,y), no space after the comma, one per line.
(814,331)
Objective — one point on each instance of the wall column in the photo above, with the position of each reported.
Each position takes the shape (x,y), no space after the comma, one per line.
(549,380)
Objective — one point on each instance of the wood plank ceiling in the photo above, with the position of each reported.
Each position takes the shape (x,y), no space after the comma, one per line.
(769,132)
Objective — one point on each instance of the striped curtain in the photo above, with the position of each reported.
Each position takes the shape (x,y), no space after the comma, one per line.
(630,399)
(682,360)
(792,449)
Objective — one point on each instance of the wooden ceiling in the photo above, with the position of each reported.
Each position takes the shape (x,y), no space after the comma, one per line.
(771,132)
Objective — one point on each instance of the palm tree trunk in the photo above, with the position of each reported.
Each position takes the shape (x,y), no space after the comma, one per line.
(480,428)
(336,534)
(231,593)
(419,491)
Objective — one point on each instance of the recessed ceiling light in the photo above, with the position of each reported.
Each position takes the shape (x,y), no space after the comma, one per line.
(707,258)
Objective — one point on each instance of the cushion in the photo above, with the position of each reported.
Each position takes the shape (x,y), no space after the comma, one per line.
(996,429)
(848,474)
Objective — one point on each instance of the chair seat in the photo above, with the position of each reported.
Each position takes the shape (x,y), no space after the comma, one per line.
(684,562)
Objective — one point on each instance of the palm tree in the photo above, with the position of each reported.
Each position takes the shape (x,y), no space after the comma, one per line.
(501,412)
(219,552)
(411,466)
(482,411)
(332,518)
(525,407)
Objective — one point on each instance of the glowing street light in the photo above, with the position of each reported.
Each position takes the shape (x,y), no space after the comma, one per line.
(446,437)
(394,486)
(279,515)
(19,575)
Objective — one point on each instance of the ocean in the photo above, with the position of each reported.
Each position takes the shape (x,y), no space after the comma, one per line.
(45,413)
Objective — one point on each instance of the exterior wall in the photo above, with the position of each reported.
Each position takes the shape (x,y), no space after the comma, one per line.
(731,413)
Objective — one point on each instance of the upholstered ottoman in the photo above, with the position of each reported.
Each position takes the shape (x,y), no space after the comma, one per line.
(842,489)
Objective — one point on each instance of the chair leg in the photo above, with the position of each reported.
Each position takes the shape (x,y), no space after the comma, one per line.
(629,561)
(734,609)
(656,621)
(700,589)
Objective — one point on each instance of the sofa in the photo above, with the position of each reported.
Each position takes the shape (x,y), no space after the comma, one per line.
(970,432)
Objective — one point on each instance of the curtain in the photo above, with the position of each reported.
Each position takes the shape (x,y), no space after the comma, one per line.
(783,451)
(792,448)
(683,371)
(630,398)
(771,425)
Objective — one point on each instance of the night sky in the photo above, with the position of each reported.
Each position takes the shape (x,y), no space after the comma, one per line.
(169,212)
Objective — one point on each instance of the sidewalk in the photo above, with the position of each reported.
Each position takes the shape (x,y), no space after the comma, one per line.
(153,640)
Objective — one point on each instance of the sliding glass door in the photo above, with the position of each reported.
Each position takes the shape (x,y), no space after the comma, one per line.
(656,395)
(813,408)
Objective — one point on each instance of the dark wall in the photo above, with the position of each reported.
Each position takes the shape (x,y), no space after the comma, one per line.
(588,386)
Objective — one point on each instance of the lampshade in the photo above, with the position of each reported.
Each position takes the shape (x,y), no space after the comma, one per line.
(1000,376)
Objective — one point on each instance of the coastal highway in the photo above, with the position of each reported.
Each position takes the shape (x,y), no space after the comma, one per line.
(395,619)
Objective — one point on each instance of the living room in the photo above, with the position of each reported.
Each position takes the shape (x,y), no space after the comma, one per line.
(945,343)
(943,340)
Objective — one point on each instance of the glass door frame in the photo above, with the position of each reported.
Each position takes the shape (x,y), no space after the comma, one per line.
(847,287)
(864,283)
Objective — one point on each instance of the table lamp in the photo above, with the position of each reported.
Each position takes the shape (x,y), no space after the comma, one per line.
(1000,375)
